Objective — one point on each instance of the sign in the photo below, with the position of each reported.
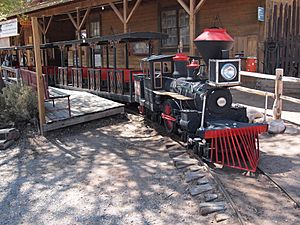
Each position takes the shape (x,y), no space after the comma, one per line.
(261,14)
(9,28)
(140,48)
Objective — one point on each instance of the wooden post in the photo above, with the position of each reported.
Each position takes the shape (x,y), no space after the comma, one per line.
(277,107)
(125,9)
(192,10)
(192,24)
(39,78)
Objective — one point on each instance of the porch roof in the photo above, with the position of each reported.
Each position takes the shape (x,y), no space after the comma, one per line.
(120,38)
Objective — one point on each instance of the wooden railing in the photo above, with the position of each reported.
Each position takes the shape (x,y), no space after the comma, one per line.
(278,92)
(119,81)
(9,74)
(29,79)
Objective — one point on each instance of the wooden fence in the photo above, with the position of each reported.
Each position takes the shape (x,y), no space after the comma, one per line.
(282,45)
(9,74)
(278,92)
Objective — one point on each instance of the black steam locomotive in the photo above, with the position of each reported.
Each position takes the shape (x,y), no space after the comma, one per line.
(197,103)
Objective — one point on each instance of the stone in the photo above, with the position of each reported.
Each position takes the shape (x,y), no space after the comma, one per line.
(190,176)
(182,157)
(4,144)
(253,114)
(195,168)
(176,153)
(202,181)
(9,134)
(210,197)
(221,217)
(209,204)
(199,189)
(211,207)
(181,166)
(276,127)
(183,163)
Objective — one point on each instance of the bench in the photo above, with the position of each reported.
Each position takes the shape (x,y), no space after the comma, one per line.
(53,94)
(29,78)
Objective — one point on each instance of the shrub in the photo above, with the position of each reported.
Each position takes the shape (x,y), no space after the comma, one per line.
(18,104)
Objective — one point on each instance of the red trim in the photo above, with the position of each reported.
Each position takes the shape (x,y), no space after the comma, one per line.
(194,64)
(237,147)
(225,132)
(181,57)
(214,34)
(168,117)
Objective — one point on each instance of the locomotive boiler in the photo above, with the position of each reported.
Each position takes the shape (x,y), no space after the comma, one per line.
(195,101)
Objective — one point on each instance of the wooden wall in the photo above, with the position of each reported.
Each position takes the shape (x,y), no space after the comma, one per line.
(144,19)
(239,17)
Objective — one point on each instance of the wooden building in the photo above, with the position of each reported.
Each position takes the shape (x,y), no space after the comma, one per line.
(183,20)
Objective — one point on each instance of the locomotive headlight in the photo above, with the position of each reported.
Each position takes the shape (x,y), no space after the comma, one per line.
(221,102)
(228,71)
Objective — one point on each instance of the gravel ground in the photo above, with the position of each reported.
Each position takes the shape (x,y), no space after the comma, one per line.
(112,171)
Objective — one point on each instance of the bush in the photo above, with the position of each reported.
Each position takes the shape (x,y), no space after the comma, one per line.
(18,104)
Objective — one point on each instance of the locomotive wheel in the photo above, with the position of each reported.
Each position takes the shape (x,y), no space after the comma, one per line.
(169,106)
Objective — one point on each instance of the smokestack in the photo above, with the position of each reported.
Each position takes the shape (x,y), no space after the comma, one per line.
(212,42)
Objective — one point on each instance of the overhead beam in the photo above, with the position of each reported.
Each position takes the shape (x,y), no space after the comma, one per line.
(87,12)
(184,6)
(137,3)
(112,5)
(48,25)
(199,6)
(41,28)
(72,20)
(70,7)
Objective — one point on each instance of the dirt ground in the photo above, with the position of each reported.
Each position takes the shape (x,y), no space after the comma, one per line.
(111,171)
(118,171)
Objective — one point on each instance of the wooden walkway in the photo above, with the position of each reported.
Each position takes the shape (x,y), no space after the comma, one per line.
(84,107)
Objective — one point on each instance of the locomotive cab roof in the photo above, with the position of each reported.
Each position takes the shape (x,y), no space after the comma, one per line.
(154,58)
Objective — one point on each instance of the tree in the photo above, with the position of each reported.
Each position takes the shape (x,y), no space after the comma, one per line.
(9,6)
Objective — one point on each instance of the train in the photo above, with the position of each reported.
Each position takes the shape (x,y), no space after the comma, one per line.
(197,103)
(188,97)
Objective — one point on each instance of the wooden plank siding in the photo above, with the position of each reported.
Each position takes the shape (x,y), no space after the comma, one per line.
(239,17)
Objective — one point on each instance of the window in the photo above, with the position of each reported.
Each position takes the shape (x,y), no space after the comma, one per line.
(157,75)
(94,29)
(175,23)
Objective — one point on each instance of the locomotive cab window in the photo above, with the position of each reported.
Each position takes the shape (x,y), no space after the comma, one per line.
(167,68)
(157,72)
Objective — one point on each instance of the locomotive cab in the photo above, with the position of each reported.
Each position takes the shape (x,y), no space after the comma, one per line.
(156,70)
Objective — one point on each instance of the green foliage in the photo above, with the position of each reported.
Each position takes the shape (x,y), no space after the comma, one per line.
(9,6)
(18,104)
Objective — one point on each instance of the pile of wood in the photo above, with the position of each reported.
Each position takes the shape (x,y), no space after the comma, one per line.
(8,137)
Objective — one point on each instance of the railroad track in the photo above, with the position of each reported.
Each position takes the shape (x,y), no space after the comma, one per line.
(218,177)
